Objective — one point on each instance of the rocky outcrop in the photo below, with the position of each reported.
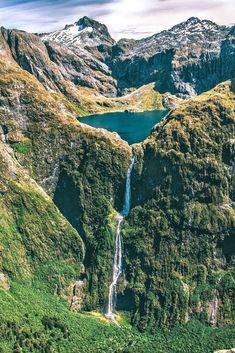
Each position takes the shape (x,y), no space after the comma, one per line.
(4,282)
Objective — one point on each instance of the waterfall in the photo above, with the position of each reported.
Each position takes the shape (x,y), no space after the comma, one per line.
(127,202)
(117,264)
(117,268)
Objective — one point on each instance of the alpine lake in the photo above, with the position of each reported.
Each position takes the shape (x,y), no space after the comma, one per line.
(132,127)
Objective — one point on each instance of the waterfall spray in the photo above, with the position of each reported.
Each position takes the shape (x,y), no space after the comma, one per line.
(117,264)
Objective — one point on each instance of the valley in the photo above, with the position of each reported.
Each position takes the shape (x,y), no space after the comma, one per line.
(134,213)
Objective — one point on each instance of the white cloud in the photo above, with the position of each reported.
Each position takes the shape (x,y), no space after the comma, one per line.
(137,17)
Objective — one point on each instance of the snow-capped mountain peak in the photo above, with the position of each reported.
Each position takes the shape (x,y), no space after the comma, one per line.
(194,33)
(84,32)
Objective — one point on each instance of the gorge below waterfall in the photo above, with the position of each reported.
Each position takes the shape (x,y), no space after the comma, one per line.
(117,264)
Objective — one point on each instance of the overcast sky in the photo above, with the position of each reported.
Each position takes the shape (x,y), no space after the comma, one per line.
(124,18)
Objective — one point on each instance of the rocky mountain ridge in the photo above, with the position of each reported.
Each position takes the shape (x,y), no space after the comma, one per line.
(78,77)
(83,61)
(192,32)
(185,60)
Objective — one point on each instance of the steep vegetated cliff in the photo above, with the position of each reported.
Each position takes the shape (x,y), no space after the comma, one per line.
(61,183)
(81,168)
(178,240)
(180,236)
(36,240)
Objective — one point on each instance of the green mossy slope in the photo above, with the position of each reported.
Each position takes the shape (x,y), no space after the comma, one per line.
(82,169)
(33,234)
(180,236)
(32,320)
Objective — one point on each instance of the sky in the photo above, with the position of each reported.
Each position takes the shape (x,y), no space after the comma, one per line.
(124,18)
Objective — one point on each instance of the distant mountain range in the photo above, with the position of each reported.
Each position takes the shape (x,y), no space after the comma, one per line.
(186,60)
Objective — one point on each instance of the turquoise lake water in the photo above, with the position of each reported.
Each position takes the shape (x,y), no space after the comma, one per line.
(132,127)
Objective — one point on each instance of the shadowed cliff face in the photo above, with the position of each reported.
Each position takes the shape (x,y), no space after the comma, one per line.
(178,240)
(186,60)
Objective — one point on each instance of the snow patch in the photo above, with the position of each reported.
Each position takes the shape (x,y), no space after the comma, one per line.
(70,34)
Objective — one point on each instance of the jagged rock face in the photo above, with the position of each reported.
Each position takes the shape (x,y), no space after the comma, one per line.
(31,54)
(179,240)
(82,68)
(55,66)
(83,63)
(186,60)
(228,55)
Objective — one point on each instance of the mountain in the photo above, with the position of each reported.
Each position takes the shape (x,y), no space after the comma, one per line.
(83,33)
(56,67)
(191,35)
(83,61)
(79,77)
(186,60)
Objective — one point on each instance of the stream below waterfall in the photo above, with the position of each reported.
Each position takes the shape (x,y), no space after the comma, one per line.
(117,263)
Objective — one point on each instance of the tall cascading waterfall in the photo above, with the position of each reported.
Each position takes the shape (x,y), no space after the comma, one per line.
(117,264)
